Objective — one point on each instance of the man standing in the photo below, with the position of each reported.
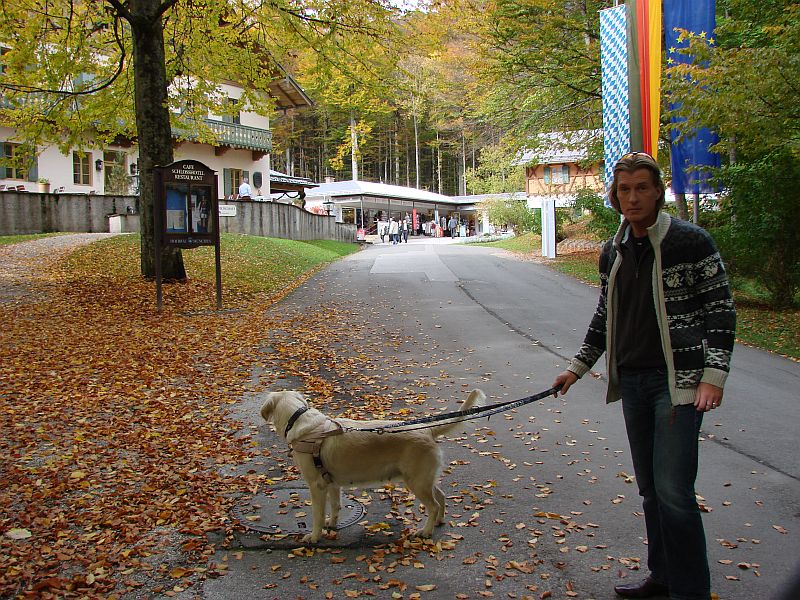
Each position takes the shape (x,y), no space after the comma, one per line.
(452,225)
(666,321)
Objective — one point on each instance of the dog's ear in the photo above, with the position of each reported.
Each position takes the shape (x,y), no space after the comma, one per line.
(268,407)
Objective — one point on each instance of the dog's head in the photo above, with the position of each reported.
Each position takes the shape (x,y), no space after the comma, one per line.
(279,406)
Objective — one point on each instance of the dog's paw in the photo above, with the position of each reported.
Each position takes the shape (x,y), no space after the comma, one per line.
(310,538)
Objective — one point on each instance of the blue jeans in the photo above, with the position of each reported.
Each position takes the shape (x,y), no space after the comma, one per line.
(664,448)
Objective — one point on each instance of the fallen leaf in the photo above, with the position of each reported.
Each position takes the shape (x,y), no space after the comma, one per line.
(779,529)
(18,534)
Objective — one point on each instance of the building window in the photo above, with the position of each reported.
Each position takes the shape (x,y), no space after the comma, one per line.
(13,157)
(556,175)
(116,173)
(235,116)
(82,168)
(236,179)
(3,67)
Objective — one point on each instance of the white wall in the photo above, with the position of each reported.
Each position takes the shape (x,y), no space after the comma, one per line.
(248,118)
(232,159)
(57,167)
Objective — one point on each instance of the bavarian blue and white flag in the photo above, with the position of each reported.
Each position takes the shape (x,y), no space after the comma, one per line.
(690,158)
(614,68)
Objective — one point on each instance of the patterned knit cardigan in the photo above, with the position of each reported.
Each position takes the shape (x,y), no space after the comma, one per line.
(694,308)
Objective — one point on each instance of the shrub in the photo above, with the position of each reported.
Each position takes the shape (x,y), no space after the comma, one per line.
(604,220)
(760,237)
(513,213)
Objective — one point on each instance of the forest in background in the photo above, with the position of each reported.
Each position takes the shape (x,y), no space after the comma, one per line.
(446,96)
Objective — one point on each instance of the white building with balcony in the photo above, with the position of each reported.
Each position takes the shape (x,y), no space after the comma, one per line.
(241,149)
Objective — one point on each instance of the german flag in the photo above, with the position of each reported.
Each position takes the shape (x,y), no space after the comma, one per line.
(644,73)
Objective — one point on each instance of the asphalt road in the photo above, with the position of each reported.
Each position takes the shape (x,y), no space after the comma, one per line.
(539,500)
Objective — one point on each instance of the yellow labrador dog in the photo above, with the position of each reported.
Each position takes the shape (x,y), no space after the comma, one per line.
(331,455)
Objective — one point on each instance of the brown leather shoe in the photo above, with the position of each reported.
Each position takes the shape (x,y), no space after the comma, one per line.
(647,588)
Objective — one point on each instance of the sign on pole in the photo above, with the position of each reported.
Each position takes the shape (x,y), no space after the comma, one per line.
(186,213)
(549,228)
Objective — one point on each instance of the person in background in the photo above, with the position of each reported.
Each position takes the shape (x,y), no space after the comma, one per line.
(393,229)
(245,191)
(404,227)
(452,225)
(666,322)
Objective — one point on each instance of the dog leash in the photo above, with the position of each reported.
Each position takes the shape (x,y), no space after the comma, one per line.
(456,417)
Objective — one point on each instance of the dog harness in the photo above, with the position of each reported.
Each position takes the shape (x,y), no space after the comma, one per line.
(311,442)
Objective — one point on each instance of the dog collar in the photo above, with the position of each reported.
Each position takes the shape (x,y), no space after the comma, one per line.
(294,418)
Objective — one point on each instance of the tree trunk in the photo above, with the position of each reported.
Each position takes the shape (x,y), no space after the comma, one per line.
(354,145)
(396,151)
(416,144)
(680,204)
(153,129)
(463,164)
(438,151)
(408,166)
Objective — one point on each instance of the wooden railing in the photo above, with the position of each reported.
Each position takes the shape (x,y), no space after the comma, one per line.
(229,134)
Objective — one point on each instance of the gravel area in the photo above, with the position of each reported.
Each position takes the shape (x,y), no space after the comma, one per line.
(20,263)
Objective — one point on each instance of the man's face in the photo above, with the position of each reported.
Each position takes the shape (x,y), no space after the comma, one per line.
(638,197)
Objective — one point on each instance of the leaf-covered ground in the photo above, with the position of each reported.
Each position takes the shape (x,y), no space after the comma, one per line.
(112,423)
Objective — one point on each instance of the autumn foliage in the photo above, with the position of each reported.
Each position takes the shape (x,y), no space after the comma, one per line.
(113,425)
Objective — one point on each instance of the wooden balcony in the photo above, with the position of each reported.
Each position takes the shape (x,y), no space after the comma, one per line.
(228,135)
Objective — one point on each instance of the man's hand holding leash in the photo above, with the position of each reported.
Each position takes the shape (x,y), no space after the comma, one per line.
(565,379)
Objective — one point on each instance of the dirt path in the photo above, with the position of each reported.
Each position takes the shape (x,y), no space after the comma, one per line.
(20,263)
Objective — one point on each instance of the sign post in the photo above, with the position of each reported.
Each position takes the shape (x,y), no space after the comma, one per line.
(549,228)
(186,214)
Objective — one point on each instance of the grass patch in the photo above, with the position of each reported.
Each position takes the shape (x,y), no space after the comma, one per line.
(16,239)
(760,326)
(250,265)
(580,265)
(263,265)
(526,243)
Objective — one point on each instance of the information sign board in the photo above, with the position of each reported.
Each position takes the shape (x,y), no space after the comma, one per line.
(186,212)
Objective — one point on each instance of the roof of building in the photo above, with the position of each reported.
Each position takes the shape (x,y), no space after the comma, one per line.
(481,197)
(278,177)
(559,147)
(384,190)
(287,92)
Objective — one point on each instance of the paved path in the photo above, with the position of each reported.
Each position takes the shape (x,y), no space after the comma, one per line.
(19,263)
(468,316)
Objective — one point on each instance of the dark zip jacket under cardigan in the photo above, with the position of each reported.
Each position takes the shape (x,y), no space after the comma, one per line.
(694,309)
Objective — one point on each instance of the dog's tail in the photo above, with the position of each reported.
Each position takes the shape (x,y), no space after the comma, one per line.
(475,398)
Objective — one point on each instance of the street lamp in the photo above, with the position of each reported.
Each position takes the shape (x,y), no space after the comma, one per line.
(328,205)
